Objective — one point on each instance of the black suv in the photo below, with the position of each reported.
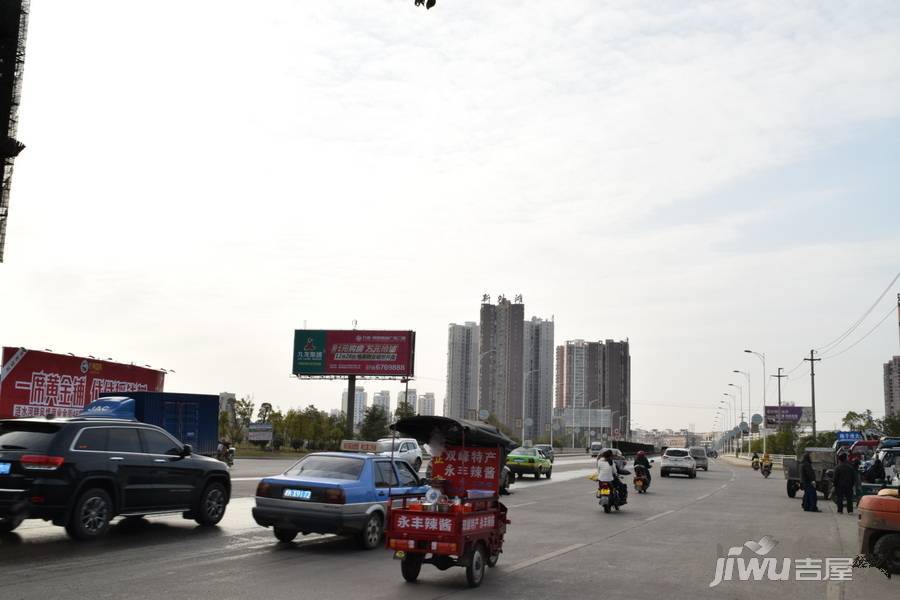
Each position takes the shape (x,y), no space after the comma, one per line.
(82,472)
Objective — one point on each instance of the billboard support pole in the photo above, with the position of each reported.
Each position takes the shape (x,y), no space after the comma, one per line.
(351,405)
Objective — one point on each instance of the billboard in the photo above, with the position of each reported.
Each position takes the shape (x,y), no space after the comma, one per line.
(35,383)
(790,415)
(354,352)
(260,432)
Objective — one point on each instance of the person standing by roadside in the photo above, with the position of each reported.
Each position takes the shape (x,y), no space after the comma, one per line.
(808,483)
(844,484)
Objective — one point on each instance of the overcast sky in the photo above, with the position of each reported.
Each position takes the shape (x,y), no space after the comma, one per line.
(203,177)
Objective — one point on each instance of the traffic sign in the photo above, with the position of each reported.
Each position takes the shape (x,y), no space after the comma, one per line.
(756,419)
(483,414)
(529,422)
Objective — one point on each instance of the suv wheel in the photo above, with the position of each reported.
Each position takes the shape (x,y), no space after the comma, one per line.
(7,525)
(370,536)
(91,515)
(211,507)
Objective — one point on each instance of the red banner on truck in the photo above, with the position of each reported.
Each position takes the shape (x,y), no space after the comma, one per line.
(35,383)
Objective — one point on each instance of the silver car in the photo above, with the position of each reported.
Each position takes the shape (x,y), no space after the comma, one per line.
(698,453)
(403,448)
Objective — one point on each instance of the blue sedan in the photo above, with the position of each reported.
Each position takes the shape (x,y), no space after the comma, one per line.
(334,492)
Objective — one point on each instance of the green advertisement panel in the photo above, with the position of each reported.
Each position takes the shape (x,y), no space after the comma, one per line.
(309,352)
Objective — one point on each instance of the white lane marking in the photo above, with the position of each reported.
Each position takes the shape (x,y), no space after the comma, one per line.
(521,505)
(565,476)
(533,561)
(704,497)
(660,515)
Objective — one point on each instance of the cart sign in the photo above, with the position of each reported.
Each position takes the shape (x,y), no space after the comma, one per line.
(467,469)
(354,352)
(849,436)
(35,383)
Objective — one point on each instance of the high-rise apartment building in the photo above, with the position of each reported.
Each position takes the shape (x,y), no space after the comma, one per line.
(461,401)
(538,375)
(596,375)
(615,384)
(501,355)
(892,387)
(383,400)
(426,404)
(411,397)
(360,405)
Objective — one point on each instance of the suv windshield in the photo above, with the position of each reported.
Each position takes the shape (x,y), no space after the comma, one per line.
(385,445)
(328,467)
(34,437)
(676,453)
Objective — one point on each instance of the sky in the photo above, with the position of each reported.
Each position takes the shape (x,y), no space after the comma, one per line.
(202,178)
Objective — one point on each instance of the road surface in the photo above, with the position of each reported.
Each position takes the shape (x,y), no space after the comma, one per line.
(560,544)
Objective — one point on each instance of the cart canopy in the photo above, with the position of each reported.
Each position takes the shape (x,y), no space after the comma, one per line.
(456,432)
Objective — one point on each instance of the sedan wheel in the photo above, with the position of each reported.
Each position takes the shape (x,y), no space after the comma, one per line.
(371,535)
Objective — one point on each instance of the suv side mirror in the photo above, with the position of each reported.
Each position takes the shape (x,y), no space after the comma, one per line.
(186,450)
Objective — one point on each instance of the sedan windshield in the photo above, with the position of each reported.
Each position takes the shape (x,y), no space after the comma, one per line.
(328,467)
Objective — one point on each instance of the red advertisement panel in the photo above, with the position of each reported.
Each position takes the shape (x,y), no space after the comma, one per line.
(467,469)
(354,352)
(34,383)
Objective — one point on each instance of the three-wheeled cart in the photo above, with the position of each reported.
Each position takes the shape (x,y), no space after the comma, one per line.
(823,465)
(461,521)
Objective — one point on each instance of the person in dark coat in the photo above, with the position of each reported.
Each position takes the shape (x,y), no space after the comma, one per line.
(875,472)
(808,483)
(844,484)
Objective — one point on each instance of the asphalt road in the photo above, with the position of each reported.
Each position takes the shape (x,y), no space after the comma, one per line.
(560,544)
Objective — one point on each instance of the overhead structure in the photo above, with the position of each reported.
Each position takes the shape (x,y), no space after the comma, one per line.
(13,28)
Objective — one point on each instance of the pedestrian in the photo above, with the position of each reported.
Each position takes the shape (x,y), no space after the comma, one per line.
(875,473)
(808,483)
(844,484)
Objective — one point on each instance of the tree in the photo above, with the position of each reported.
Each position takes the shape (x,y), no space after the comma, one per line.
(404,409)
(891,425)
(265,411)
(243,414)
(374,424)
(853,421)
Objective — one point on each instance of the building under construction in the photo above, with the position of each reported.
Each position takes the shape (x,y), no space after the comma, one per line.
(13,27)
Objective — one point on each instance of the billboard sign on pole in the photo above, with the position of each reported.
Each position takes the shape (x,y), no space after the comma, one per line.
(790,415)
(354,352)
(35,383)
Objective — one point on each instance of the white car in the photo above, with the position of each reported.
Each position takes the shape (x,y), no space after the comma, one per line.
(404,448)
(890,460)
(678,460)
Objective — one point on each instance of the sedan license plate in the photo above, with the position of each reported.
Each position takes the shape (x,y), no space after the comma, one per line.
(5,468)
(298,494)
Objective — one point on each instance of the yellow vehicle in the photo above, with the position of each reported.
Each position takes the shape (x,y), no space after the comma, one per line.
(529,460)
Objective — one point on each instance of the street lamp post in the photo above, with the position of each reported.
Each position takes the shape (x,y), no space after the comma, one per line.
(762,356)
(749,391)
(733,400)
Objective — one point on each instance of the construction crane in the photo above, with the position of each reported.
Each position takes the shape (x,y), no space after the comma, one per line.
(13,27)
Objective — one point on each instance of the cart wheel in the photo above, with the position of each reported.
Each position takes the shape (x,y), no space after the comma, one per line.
(410,566)
(493,559)
(475,568)
(791,489)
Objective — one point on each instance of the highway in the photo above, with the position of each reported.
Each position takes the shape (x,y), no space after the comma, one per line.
(664,544)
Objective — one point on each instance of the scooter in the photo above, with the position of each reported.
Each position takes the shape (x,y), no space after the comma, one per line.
(641,479)
(766,469)
(227,456)
(609,495)
(755,464)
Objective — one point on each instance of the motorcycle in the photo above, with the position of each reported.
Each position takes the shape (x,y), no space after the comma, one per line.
(609,495)
(226,456)
(755,464)
(766,469)
(641,479)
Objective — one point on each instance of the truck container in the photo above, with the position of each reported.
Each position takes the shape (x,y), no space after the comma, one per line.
(191,418)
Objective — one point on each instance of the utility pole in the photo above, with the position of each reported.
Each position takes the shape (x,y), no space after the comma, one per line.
(779,376)
(351,407)
(812,383)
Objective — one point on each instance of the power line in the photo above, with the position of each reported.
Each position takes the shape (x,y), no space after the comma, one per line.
(858,322)
(870,332)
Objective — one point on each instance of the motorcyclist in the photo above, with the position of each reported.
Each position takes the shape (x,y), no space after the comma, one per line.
(222,449)
(755,461)
(608,471)
(641,459)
